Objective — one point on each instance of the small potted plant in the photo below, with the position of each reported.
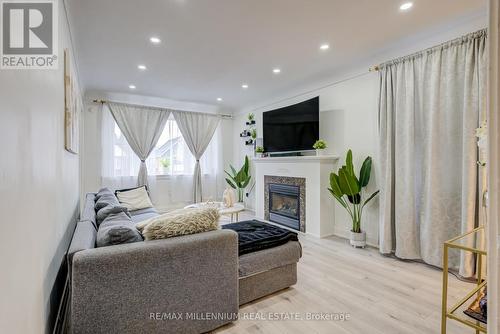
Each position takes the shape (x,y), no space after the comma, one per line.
(348,190)
(164,164)
(251,119)
(253,133)
(320,146)
(259,150)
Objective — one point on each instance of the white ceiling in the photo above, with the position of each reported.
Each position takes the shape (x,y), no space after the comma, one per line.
(210,47)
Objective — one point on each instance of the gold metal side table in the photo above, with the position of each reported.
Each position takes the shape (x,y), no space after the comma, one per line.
(461,242)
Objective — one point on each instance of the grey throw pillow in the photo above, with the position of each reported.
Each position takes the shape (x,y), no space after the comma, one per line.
(102,192)
(106,200)
(117,229)
(109,209)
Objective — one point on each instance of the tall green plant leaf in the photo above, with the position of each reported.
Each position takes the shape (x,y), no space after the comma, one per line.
(355,199)
(240,177)
(246,182)
(231,183)
(348,183)
(364,173)
(334,184)
(233,170)
(371,197)
(246,166)
(338,198)
(348,162)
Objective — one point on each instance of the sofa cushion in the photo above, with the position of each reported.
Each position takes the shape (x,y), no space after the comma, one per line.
(134,199)
(83,238)
(267,259)
(88,212)
(143,214)
(109,209)
(106,200)
(102,192)
(117,229)
(184,222)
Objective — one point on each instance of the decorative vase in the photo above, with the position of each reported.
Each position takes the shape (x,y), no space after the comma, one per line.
(228,197)
(321,152)
(358,240)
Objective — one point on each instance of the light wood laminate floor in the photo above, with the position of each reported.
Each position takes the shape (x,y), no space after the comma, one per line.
(382,295)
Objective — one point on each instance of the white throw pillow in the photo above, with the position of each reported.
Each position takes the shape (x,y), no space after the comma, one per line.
(134,199)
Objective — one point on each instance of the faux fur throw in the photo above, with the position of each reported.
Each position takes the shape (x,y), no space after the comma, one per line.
(180,222)
(141,225)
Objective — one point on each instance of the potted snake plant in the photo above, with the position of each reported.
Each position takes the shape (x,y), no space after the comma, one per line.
(349,190)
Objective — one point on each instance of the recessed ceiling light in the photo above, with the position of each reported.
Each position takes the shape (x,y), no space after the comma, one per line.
(276,70)
(132,86)
(406,6)
(244,86)
(219,99)
(324,46)
(155,40)
(141,67)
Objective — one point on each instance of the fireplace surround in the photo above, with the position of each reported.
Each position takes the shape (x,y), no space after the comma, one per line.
(312,174)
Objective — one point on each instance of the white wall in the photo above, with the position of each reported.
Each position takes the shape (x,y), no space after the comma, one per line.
(167,198)
(349,114)
(348,119)
(39,189)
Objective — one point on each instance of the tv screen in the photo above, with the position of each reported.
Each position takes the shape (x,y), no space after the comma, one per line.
(292,128)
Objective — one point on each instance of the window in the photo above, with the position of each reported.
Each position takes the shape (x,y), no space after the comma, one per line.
(171,155)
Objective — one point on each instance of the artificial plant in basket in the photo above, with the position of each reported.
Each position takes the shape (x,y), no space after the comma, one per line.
(348,190)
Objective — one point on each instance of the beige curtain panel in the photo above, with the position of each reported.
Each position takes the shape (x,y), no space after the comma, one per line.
(141,127)
(430,105)
(197,130)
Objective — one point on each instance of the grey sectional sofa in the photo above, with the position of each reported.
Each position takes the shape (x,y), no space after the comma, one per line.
(188,284)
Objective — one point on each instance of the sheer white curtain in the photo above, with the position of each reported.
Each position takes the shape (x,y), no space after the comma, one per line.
(170,165)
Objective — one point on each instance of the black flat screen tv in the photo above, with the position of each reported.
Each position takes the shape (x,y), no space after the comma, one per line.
(293,128)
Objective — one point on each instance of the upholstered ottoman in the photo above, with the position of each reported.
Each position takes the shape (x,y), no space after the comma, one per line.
(267,271)
(268,259)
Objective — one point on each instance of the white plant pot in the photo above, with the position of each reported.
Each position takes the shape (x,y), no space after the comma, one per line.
(358,239)
(321,152)
(258,155)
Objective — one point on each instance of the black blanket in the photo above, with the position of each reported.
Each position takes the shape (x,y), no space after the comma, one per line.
(254,235)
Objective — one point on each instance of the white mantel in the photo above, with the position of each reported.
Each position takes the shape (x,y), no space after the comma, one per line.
(305,158)
(320,209)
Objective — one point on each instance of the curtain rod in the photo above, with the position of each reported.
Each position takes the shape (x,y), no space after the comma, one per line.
(472,35)
(101,101)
